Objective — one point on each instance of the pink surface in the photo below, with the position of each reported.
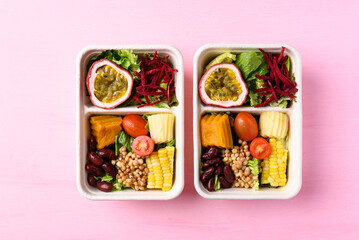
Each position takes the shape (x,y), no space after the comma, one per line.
(40,41)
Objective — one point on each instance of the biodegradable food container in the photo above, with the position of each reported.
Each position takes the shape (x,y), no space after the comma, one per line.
(85,109)
(294,169)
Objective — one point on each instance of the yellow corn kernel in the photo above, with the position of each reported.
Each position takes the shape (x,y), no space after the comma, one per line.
(274,170)
(171,156)
(150,175)
(166,169)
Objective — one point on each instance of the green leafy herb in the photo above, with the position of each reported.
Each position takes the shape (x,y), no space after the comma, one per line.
(163,145)
(105,178)
(256,185)
(288,65)
(147,127)
(171,143)
(200,168)
(254,166)
(161,105)
(226,57)
(118,186)
(124,140)
(217,183)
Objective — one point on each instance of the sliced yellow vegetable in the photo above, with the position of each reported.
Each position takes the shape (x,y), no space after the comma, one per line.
(273,124)
(274,170)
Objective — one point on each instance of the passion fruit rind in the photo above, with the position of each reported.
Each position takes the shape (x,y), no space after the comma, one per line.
(108,84)
(222,85)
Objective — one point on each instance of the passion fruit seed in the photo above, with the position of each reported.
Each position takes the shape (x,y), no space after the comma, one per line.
(221,85)
(109,84)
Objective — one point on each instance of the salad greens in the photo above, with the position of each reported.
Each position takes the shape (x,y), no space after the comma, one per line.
(250,64)
(123,57)
(122,139)
(226,57)
(116,186)
(133,63)
(106,178)
(163,145)
(254,167)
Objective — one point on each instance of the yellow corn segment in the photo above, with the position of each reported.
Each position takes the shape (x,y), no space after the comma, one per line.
(166,169)
(150,175)
(274,170)
(157,170)
(171,156)
(160,166)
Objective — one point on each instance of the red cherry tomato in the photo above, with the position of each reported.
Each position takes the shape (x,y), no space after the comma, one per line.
(134,125)
(143,145)
(245,126)
(260,148)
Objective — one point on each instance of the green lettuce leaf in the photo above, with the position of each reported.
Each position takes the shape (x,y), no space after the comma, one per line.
(247,63)
(254,98)
(118,186)
(105,178)
(261,70)
(163,145)
(171,143)
(125,140)
(254,166)
(282,102)
(288,65)
(256,185)
(226,57)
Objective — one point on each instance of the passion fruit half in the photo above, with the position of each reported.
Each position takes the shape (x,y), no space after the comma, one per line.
(223,86)
(108,84)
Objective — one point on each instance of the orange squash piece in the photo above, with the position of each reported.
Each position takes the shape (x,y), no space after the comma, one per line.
(105,128)
(216,131)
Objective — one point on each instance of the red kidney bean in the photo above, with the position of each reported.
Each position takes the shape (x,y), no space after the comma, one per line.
(220,163)
(104,186)
(211,162)
(207,174)
(95,170)
(224,182)
(107,153)
(219,170)
(210,184)
(228,174)
(94,158)
(110,169)
(92,144)
(91,179)
(211,153)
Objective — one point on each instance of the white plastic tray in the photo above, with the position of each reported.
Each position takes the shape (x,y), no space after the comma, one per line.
(85,109)
(202,57)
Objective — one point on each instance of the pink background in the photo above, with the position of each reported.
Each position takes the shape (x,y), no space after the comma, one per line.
(40,41)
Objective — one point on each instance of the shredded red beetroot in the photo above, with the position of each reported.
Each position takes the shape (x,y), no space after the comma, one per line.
(154,71)
(278,83)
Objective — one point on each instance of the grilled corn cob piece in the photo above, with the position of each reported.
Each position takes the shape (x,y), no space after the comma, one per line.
(166,169)
(171,156)
(150,175)
(160,166)
(157,170)
(274,170)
